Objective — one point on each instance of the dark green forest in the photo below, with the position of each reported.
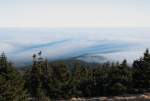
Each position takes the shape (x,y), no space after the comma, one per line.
(45,81)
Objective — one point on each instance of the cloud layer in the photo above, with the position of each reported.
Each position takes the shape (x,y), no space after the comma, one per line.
(114,44)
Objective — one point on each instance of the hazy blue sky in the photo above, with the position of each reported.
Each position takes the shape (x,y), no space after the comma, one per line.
(74,13)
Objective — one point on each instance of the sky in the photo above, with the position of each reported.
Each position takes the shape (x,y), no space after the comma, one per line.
(74,13)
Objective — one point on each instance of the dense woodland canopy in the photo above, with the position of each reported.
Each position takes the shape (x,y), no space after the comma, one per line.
(73,78)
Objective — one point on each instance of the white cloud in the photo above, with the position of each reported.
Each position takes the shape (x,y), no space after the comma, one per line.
(59,43)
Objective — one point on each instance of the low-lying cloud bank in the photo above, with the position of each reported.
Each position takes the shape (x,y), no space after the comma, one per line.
(113,44)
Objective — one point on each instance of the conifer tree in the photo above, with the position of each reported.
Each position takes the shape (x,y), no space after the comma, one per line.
(61,80)
(38,79)
(141,72)
(11,82)
(33,80)
(120,77)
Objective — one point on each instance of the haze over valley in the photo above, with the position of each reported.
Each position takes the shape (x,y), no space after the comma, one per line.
(87,44)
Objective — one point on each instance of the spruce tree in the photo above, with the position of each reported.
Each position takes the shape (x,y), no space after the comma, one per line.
(120,77)
(60,80)
(11,82)
(34,78)
(141,72)
(38,79)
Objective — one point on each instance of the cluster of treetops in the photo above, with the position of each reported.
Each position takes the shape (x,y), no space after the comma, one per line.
(66,79)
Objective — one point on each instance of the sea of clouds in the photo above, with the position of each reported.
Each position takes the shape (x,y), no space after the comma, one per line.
(88,44)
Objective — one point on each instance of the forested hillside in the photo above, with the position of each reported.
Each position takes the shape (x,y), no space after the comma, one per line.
(45,81)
